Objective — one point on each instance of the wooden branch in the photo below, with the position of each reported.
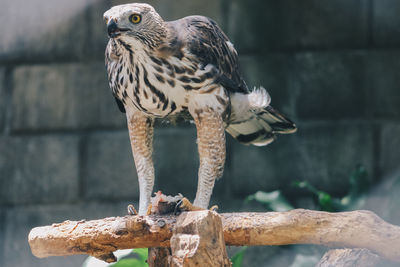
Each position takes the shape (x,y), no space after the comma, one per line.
(198,241)
(159,257)
(350,258)
(356,229)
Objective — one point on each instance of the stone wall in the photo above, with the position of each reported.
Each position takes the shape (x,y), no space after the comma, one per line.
(330,65)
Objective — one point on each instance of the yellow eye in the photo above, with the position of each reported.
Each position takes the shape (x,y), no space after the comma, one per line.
(135,18)
(106,20)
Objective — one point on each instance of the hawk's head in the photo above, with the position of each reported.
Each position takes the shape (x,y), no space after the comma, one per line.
(135,23)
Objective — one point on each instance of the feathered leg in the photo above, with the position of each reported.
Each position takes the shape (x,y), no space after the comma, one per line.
(141,136)
(211,146)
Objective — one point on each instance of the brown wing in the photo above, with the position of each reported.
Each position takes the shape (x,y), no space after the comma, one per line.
(208,44)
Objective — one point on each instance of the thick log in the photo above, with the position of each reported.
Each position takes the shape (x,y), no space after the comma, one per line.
(159,257)
(356,229)
(198,241)
(99,238)
(349,258)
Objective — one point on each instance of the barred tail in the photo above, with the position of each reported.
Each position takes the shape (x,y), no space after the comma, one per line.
(261,127)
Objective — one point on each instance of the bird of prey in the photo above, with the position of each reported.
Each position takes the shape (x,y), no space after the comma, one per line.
(159,69)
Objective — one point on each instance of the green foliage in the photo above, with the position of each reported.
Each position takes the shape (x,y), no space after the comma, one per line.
(359,185)
(274,200)
(359,181)
(137,258)
(324,200)
(129,263)
(126,258)
(237,259)
(142,253)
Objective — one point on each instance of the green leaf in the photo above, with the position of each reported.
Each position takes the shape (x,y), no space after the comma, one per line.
(129,263)
(306,185)
(136,258)
(237,259)
(325,201)
(142,253)
(359,181)
(273,200)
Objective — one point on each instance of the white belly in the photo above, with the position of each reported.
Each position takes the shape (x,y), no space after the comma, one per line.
(160,89)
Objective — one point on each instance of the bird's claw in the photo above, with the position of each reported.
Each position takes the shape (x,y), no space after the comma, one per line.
(131,210)
(214,208)
(178,206)
(149,208)
(185,205)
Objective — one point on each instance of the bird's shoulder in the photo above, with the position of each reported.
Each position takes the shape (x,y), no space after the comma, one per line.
(206,43)
(201,35)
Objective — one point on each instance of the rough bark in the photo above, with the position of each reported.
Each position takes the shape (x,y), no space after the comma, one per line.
(349,258)
(159,257)
(356,229)
(198,241)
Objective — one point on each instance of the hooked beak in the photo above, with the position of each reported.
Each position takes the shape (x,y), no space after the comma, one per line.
(113,30)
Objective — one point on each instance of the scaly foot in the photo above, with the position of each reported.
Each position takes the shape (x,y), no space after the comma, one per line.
(185,205)
(162,204)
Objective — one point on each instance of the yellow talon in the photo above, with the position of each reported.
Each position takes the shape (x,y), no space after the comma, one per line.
(186,205)
(149,209)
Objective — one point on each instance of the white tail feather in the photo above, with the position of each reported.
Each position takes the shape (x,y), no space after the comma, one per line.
(253,121)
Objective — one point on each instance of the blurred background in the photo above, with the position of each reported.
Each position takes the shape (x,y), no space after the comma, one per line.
(333,66)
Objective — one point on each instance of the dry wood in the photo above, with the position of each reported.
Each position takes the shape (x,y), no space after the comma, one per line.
(356,229)
(349,258)
(159,257)
(198,241)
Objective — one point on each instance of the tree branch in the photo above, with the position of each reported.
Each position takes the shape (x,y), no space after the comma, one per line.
(198,241)
(356,229)
(350,258)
